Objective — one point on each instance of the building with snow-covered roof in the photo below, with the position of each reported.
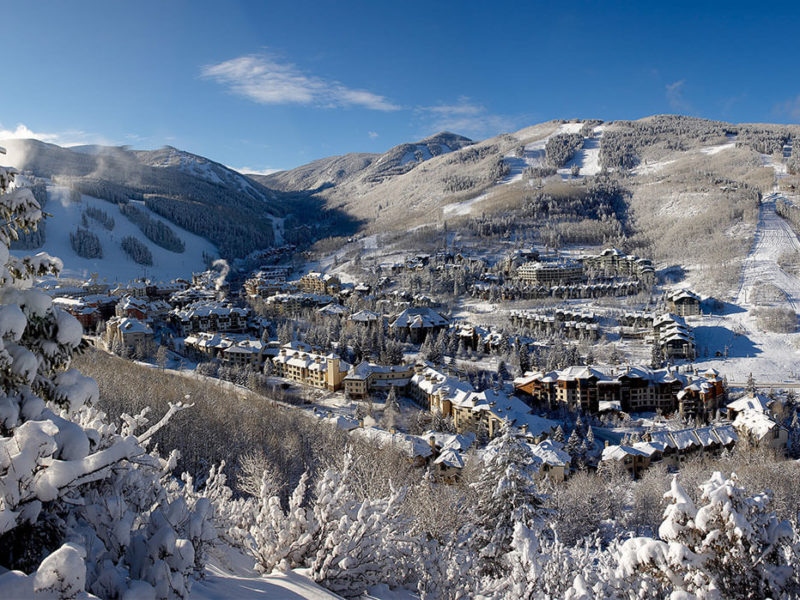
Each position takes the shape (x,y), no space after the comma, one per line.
(366,378)
(750,401)
(365,317)
(555,460)
(416,323)
(615,263)
(632,459)
(317,283)
(87,315)
(674,337)
(683,302)
(131,333)
(471,410)
(678,445)
(310,368)
(636,388)
(192,295)
(209,316)
(334,309)
(761,430)
(550,273)
(137,289)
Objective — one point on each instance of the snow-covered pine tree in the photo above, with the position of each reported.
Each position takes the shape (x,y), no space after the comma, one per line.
(732,546)
(391,409)
(347,543)
(750,386)
(590,437)
(794,437)
(575,447)
(506,494)
(82,497)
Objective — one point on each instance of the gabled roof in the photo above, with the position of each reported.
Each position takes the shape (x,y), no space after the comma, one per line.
(757,402)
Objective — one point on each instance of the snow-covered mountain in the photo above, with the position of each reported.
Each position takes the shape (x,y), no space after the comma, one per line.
(365,167)
(235,213)
(66,214)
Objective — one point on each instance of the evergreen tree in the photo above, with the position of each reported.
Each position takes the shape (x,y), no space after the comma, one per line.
(558,435)
(590,437)
(85,517)
(794,437)
(750,386)
(574,447)
(524,359)
(506,495)
(391,410)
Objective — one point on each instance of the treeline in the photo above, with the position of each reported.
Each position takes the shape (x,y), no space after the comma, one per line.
(137,251)
(621,148)
(85,243)
(190,202)
(560,148)
(231,237)
(157,232)
(765,141)
(103,190)
(98,215)
(789,211)
(563,214)
(588,127)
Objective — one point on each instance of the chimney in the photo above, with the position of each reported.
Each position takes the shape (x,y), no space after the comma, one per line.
(606,444)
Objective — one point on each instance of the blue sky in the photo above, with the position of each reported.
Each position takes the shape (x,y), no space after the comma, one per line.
(270,85)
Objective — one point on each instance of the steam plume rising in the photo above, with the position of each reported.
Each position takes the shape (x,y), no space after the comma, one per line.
(224,269)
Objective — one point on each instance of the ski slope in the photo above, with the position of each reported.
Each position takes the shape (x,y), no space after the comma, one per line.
(774,236)
(770,357)
(533,155)
(115,266)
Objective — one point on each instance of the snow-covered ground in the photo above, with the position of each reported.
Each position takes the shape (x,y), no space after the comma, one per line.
(533,155)
(772,358)
(774,236)
(465,207)
(649,168)
(718,148)
(587,158)
(237,580)
(115,264)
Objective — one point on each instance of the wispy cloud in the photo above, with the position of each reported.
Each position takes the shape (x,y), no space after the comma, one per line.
(265,80)
(253,171)
(467,117)
(675,96)
(372,134)
(790,108)
(64,138)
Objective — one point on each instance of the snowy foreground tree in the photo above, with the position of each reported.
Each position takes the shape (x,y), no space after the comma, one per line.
(347,544)
(84,508)
(731,546)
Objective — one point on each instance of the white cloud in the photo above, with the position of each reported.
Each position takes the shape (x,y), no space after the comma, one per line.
(264,80)
(372,134)
(790,108)
(65,138)
(252,171)
(675,97)
(467,118)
